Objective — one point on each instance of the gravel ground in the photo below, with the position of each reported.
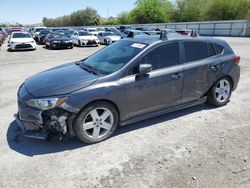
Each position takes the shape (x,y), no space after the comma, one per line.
(197,147)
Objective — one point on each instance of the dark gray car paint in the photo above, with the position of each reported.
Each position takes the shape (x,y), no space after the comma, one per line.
(133,95)
(59,81)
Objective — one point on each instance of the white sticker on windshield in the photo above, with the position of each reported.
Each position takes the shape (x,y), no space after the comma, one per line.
(138,45)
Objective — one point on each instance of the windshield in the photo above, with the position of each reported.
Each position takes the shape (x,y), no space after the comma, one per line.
(114,57)
(39,29)
(58,35)
(69,32)
(84,34)
(108,34)
(44,32)
(92,30)
(21,35)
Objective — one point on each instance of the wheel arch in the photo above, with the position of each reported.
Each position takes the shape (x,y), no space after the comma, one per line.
(220,77)
(71,125)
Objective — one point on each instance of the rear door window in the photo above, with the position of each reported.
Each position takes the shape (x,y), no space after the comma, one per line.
(195,51)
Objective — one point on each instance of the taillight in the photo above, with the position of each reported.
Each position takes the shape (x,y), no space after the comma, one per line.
(236,59)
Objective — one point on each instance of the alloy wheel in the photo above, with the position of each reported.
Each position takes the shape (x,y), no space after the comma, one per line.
(98,122)
(222,90)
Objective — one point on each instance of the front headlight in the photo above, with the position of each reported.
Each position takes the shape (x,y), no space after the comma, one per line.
(55,41)
(46,103)
(69,41)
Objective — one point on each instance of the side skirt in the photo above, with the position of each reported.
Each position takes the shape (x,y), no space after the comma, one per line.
(163,111)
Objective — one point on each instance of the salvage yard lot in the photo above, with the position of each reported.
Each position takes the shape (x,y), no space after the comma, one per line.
(197,147)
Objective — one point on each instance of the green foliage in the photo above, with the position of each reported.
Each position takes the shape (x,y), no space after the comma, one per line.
(188,10)
(151,11)
(156,11)
(123,18)
(227,10)
(86,17)
(199,10)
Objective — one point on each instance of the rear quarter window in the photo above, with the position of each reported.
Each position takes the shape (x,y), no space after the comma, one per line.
(218,49)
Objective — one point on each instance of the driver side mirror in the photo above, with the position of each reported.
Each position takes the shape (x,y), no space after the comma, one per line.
(145,68)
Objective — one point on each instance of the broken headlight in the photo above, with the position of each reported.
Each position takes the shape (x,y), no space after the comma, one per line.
(46,103)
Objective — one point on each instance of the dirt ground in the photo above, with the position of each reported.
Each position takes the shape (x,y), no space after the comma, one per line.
(197,147)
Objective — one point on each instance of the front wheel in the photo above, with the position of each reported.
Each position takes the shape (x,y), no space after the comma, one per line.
(97,122)
(220,93)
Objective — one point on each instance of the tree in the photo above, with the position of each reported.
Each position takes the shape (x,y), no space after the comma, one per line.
(123,18)
(227,10)
(151,11)
(86,17)
(189,10)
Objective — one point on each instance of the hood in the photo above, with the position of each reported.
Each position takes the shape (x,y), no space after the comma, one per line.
(114,37)
(22,40)
(59,81)
(87,37)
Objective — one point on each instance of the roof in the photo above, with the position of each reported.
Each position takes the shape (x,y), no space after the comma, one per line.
(171,37)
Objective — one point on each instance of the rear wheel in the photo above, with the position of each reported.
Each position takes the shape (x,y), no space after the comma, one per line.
(97,122)
(105,42)
(220,93)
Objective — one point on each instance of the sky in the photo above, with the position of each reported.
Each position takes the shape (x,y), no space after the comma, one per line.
(32,11)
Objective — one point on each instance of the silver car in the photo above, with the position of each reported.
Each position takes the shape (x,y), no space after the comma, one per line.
(107,38)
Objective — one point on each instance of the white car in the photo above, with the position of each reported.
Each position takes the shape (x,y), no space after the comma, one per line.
(108,38)
(83,38)
(21,41)
(35,32)
(93,31)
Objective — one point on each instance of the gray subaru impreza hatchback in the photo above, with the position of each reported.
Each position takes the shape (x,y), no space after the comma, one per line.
(128,81)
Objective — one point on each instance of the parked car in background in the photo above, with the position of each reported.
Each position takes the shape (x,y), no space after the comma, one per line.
(56,40)
(184,31)
(41,36)
(93,31)
(21,41)
(100,29)
(69,33)
(4,33)
(115,31)
(128,81)
(1,38)
(15,29)
(84,38)
(107,38)
(132,33)
(125,27)
(35,31)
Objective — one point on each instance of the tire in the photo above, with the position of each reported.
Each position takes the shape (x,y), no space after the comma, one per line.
(105,42)
(96,129)
(220,93)
(79,43)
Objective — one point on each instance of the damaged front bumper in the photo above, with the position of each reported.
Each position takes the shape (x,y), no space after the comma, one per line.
(41,124)
(38,134)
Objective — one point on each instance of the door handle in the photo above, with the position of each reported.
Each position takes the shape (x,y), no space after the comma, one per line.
(176,76)
(215,67)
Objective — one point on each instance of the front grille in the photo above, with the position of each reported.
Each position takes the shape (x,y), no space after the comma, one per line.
(91,42)
(21,46)
(63,44)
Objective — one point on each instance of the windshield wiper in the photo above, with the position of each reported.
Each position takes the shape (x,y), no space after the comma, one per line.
(88,68)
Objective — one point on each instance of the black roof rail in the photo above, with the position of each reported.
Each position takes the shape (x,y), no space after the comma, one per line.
(163,35)
(194,33)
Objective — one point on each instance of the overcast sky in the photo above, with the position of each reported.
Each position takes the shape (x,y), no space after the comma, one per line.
(32,11)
